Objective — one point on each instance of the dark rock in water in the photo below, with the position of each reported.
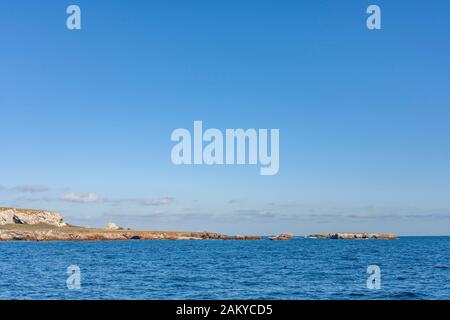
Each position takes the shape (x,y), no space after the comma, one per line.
(135,238)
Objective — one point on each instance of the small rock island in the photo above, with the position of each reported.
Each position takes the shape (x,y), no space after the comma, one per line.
(40,225)
(354,236)
(283,236)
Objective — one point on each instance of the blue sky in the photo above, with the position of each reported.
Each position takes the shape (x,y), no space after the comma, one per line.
(363,115)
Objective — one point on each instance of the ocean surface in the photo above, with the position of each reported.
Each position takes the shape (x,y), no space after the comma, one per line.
(411,268)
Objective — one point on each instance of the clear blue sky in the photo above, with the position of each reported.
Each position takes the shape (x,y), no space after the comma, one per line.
(363,115)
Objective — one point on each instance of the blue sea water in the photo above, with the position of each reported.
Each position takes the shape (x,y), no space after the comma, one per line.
(411,268)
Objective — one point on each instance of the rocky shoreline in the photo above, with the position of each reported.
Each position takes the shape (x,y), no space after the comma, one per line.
(69,233)
(39,225)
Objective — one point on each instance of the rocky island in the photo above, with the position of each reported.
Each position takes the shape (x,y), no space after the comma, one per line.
(353,236)
(40,225)
(283,236)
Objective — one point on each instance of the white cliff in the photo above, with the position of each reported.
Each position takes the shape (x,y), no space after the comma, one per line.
(25,216)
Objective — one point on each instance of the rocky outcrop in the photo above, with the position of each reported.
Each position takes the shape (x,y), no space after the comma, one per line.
(244,238)
(112,226)
(353,236)
(283,236)
(25,216)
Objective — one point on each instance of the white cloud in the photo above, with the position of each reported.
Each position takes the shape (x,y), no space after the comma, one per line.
(25,188)
(158,202)
(30,189)
(74,197)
